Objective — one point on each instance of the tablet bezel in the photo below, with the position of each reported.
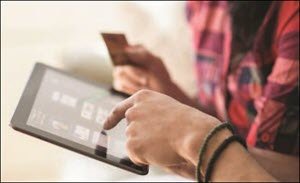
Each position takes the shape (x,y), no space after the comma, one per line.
(22,112)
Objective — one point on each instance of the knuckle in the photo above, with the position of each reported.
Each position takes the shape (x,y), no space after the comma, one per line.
(129,114)
(133,147)
(127,132)
(130,132)
(143,93)
(129,145)
(135,151)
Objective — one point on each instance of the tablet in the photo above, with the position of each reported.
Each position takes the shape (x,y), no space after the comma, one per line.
(69,111)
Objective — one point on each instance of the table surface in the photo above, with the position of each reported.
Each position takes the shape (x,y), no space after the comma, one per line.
(66,35)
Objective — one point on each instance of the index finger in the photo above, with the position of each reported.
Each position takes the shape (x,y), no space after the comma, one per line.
(118,113)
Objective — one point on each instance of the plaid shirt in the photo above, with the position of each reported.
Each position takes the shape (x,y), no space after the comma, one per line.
(260,98)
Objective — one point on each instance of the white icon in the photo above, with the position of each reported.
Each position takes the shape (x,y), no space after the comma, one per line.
(59,125)
(81,132)
(64,99)
(55,96)
(68,100)
(87,110)
(101,116)
(37,116)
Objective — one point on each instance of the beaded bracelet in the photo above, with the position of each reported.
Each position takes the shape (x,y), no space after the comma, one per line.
(205,144)
(219,150)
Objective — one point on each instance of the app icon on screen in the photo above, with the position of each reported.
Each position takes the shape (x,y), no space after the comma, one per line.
(81,132)
(101,115)
(58,125)
(87,110)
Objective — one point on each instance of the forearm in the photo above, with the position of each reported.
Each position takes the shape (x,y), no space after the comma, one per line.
(282,167)
(234,164)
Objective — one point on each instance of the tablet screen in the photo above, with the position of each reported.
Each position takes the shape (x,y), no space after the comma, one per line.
(75,110)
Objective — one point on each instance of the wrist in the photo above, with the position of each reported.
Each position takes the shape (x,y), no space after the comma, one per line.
(195,130)
(191,143)
(213,144)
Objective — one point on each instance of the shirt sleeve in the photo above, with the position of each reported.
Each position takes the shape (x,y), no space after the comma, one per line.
(281,92)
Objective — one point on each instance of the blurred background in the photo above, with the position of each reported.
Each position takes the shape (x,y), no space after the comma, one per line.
(66,35)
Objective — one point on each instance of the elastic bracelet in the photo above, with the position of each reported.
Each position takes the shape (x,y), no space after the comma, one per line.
(205,143)
(219,150)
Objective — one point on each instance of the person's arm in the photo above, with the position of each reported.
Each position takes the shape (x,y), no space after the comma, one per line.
(234,164)
(163,132)
(280,92)
(148,71)
(283,167)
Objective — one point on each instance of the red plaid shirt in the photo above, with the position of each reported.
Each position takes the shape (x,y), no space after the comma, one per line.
(263,104)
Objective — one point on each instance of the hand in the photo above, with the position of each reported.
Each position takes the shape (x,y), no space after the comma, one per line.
(146,71)
(164,132)
(161,131)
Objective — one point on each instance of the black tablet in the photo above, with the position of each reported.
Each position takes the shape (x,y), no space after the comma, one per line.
(69,111)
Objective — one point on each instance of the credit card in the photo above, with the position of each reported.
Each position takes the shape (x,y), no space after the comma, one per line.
(116,44)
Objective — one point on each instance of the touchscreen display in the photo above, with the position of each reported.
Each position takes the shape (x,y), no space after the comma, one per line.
(75,110)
